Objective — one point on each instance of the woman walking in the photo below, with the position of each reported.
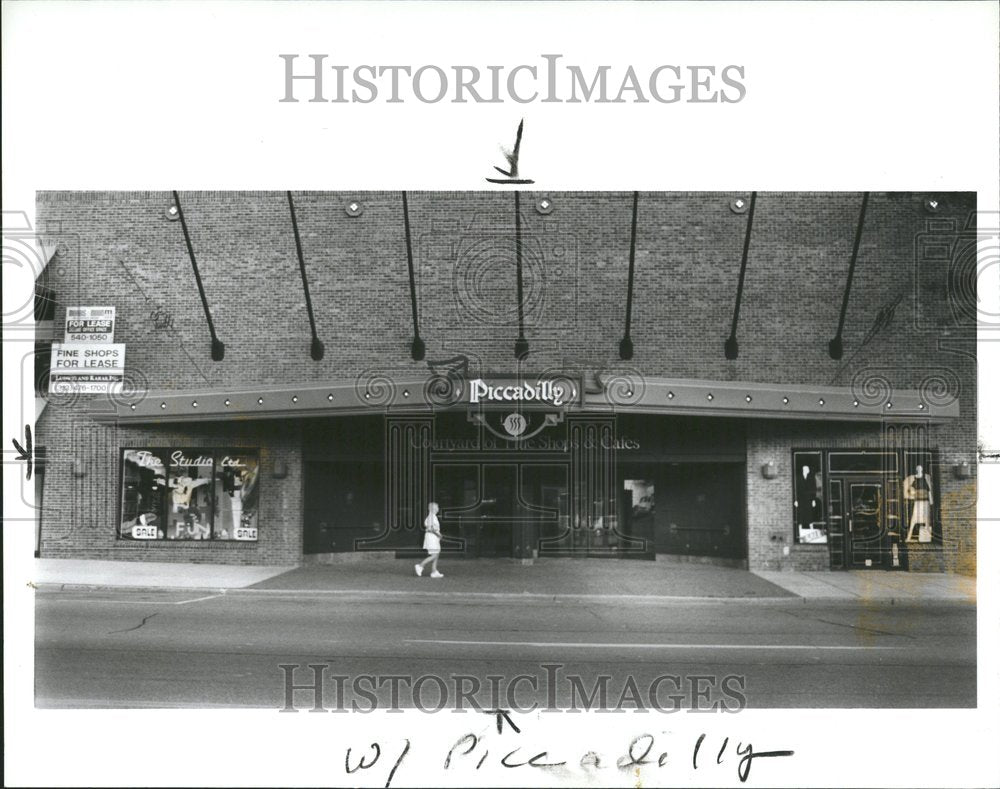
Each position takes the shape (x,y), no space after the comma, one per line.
(432,542)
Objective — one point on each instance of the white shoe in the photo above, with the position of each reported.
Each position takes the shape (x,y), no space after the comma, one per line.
(419,568)
(436,575)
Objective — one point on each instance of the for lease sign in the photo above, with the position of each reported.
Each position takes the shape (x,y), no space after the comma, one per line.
(90,324)
(93,368)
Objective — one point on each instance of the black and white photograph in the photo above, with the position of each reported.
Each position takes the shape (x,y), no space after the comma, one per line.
(515,467)
(485,432)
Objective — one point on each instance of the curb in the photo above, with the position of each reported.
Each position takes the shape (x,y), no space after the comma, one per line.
(53,586)
(468,597)
(524,597)
(404,594)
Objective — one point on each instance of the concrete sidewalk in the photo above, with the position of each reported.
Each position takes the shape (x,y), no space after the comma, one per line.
(153,575)
(874,585)
(582,579)
(493,578)
(569,578)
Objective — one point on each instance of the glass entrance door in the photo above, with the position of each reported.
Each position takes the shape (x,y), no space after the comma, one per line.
(477,506)
(497,524)
(866,535)
(502,509)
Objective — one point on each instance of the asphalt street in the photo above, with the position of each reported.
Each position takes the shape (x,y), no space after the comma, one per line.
(206,649)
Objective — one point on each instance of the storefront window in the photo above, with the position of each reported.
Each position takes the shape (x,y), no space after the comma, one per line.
(235,496)
(190,480)
(639,508)
(144,487)
(920,508)
(189,494)
(906,483)
(809,492)
(640,497)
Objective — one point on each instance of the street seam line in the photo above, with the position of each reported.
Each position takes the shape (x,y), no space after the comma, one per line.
(635,646)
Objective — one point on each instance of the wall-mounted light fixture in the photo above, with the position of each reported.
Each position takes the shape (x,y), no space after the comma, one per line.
(79,469)
(172,213)
(354,208)
(544,205)
(963,470)
(769,470)
(280,470)
(932,205)
(739,205)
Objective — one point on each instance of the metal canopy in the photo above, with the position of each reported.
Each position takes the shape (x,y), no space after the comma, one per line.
(682,397)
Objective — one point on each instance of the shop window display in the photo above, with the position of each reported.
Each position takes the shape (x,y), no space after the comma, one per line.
(144,489)
(189,494)
(190,498)
(920,509)
(905,482)
(235,497)
(809,493)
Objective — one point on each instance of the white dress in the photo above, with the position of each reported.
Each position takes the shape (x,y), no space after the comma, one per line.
(432,542)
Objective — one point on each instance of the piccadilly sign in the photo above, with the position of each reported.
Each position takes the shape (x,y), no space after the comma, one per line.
(547,392)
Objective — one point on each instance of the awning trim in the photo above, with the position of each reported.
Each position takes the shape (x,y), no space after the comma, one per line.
(622,393)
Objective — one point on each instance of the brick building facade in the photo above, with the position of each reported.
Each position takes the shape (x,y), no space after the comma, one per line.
(697,454)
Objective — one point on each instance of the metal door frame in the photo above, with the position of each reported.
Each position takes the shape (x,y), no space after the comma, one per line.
(884,550)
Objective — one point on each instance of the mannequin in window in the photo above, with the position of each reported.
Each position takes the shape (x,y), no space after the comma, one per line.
(805,498)
(184,488)
(917,492)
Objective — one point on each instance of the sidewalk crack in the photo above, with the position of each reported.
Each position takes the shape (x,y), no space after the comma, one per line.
(858,628)
(130,629)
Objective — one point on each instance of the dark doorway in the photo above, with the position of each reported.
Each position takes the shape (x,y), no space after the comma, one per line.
(699,510)
(344,504)
(500,509)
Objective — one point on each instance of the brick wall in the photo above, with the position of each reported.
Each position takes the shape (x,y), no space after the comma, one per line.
(120,248)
